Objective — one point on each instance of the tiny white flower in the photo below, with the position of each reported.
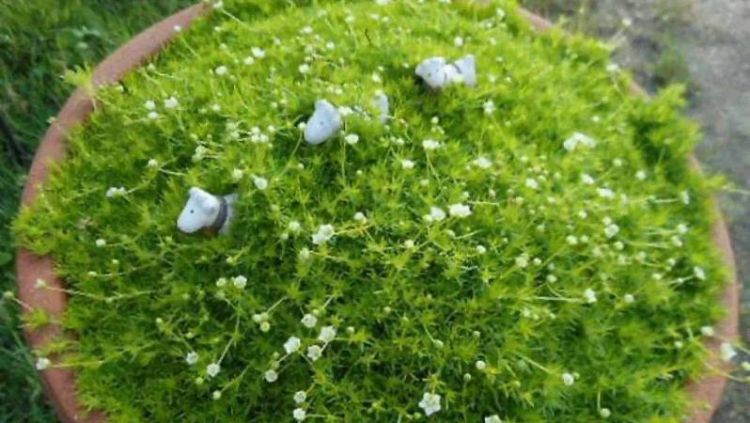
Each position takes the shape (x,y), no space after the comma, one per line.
(430,403)
(309,320)
(359,217)
(532,183)
(101,242)
(587,179)
(314,352)
(324,234)
(571,240)
(265,327)
(699,273)
(150,105)
(300,397)
(489,107)
(258,52)
(430,144)
(351,139)
(407,164)
(345,111)
(213,369)
(409,243)
(304,68)
(481,249)
(482,162)
(260,182)
(605,193)
(152,163)
(42,363)
(191,358)
(221,70)
(685,197)
(171,103)
(577,139)
(493,419)
(239,281)
(436,214)
(177,28)
(611,231)
(115,192)
(589,295)
(153,115)
(459,210)
(221,282)
(249,60)
(294,226)
(299,414)
(568,379)
(304,254)
(727,352)
(605,413)
(376,78)
(628,298)
(271,376)
(640,175)
(237,174)
(292,345)
(216,395)
(522,261)
(327,334)
(707,331)
(480,365)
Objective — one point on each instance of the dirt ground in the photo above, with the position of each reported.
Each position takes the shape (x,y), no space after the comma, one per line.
(706,45)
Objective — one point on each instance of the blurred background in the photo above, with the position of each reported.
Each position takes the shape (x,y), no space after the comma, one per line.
(701,44)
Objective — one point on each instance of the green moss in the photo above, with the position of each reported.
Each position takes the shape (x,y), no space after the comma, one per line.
(416,305)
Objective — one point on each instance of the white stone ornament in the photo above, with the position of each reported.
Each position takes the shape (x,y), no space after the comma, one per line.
(437,73)
(383,105)
(324,124)
(205,210)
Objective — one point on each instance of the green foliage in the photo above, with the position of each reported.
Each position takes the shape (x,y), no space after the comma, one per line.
(39,40)
(578,282)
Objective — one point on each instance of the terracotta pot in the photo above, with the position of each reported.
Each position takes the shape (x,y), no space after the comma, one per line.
(60,383)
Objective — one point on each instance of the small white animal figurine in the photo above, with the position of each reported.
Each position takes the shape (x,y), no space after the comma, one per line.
(437,73)
(324,123)
(205,210)
(381,102)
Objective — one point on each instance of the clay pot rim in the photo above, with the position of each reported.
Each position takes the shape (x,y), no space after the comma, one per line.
(60,384)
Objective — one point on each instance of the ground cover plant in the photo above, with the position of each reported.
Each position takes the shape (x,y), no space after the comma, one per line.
(39,41)
(534,248)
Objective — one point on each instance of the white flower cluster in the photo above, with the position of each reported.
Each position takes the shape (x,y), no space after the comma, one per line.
(324,234)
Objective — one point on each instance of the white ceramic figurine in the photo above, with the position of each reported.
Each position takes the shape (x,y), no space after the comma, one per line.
(437,73)
(205,210)
(324,123)
(381,102)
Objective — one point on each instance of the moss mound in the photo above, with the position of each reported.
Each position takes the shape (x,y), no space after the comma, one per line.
(545,255)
